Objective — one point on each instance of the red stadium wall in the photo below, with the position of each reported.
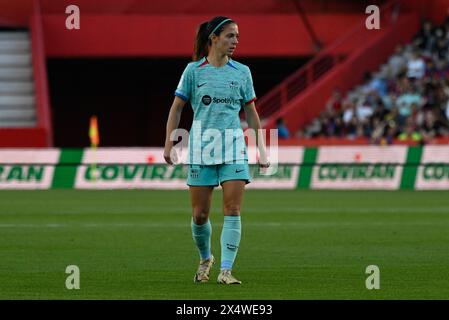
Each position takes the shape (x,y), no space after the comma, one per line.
(122,27)
(19,10)
(15,13)
(23,138)
(140,35)
(435,10)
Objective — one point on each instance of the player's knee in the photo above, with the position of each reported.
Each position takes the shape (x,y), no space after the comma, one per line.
(200,215)
(232,210)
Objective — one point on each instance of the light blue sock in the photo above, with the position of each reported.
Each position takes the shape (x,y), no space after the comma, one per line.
(230,240)
(201,235)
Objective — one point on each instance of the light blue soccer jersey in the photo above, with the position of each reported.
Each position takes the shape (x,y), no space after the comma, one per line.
(216,94)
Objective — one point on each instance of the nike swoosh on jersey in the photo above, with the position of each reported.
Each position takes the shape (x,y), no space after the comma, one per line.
(200,85)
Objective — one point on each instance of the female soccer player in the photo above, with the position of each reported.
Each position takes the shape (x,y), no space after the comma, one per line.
(217,88)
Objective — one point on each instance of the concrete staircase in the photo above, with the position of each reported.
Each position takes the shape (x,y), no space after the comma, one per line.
(17,101)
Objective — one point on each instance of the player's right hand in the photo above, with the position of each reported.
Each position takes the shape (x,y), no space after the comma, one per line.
(170,155)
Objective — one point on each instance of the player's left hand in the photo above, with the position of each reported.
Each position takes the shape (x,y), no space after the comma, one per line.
(264,163)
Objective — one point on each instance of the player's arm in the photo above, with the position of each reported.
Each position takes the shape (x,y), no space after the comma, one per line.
(252,117)
(172,124)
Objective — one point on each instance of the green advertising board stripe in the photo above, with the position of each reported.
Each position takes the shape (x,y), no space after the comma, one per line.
(65,171)
(410,170)
(305,174)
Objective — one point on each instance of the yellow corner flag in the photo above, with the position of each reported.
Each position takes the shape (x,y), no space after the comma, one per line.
(93,132)
(94,142)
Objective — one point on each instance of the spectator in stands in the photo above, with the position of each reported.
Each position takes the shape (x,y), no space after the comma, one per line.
(399,86)
(326,125)
(351,128)
(393,118)
(331,125)
(377,131)
(389,100)
(334,104)
(440,51)
(390,134)
(379,86)
(430,128)
(283,132)
(442,69)
(366,87)
(416,67)
(435,125)
(443,123)
(384,134)
(314,129)
(425,39)
(432,92)
(410,133)
(349,111)
(416,116)
(431,69)
(364,111)
(379,112)
(397,62)
(338,127)
(405,101)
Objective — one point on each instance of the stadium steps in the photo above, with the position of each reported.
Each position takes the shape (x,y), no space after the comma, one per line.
(15,73)
(13,46)
(25,114)
(12,100)
(17,101)
(16,87)
(15,60)
(8,123)
(14,35)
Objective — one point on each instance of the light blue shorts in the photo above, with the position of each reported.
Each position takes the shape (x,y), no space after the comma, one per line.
(214,175)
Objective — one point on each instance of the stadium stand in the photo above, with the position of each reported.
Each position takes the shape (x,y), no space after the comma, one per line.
(348,64)
(408,98)
(348,53)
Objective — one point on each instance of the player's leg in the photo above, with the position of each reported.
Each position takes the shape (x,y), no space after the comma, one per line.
(202,180)
(231,233)
(201,197)
(201,229)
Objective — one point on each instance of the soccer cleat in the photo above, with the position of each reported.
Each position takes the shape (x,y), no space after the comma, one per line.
(225,277)
(202,274)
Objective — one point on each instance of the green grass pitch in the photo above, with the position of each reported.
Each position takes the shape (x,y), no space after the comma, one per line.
(136,244)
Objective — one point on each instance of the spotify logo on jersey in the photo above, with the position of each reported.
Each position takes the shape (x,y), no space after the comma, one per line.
(206,100)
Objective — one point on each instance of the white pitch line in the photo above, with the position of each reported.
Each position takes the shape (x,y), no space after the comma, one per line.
(298,210)
(288,224)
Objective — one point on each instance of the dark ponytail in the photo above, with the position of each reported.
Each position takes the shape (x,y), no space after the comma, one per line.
(202,41)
